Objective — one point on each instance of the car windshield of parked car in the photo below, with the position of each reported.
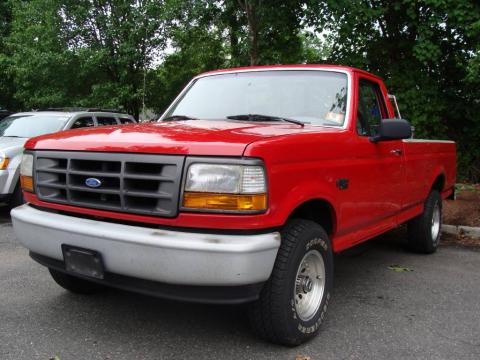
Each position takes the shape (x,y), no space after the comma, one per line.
(316,97)
(31,125)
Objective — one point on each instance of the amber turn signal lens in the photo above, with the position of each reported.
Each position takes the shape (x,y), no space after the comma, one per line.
(4,163)
(228,202)
(27,183)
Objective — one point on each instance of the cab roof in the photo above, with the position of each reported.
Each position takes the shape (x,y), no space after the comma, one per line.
(51,113)
(69,113)
(293,66)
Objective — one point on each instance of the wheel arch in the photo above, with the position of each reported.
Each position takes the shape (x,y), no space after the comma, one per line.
(439,182)
(318,210)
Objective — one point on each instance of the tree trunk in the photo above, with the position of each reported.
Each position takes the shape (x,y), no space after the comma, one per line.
(251,10)
(234,28)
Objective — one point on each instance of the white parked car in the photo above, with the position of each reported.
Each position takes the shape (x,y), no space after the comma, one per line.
(17,128)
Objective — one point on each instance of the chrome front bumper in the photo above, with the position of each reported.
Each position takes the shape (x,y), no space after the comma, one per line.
(172,257)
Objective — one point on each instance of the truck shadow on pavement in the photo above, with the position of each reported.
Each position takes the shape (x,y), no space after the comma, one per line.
(4,213)
(126,318)
(372,305)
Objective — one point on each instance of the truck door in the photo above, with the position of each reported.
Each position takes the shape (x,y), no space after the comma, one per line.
(377,174)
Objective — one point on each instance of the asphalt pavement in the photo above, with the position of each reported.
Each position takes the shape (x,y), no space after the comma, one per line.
(430,310)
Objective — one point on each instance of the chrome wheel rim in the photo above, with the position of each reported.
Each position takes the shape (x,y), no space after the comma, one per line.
(436,219)
(309,285)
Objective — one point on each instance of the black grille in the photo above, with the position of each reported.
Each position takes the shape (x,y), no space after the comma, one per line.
(133,183)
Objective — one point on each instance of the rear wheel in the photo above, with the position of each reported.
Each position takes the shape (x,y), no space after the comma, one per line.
(293,302)
(424,231)
(74,284)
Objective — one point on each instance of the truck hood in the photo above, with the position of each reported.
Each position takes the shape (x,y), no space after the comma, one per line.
(192,137)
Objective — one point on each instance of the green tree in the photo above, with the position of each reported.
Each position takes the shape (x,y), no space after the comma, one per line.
(196,44)
(85,53)
(44,69)
(99,52)
(425,51)
(118,40)
(7,88)
(274,30)
(207,35)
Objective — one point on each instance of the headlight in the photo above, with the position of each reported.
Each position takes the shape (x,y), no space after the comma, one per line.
(231,179)
(219,187)
(4,161)
(26,172)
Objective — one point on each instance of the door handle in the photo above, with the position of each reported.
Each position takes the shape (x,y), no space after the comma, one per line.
(396,152)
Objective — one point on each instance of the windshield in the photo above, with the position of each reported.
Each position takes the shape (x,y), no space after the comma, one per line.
(315,97)
(31,125)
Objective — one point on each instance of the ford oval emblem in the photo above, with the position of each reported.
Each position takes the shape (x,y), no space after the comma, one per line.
(93,183)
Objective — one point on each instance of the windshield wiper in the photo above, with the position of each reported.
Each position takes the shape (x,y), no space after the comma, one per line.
(178,118)
(11,136)
(259,117)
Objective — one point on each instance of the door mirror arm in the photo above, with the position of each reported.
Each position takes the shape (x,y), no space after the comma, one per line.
(375,138)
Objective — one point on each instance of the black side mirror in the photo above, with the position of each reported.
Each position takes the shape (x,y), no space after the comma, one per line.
(392,129)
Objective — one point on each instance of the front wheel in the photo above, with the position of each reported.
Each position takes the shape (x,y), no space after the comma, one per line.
(293,302)
(17,197)
(425,230)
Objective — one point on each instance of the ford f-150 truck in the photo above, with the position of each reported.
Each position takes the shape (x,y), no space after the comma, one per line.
(242,192)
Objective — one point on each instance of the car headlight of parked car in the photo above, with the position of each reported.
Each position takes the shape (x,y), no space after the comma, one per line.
(4,161)
(26,172)
(225,188)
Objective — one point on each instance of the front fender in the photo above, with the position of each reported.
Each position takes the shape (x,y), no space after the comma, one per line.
(13,171)
(304,192)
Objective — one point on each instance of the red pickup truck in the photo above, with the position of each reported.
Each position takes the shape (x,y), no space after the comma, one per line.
(241,192)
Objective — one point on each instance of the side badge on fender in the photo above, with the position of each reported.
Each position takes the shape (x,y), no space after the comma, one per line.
(342,184)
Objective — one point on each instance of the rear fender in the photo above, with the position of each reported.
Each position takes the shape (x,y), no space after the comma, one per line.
(438,171)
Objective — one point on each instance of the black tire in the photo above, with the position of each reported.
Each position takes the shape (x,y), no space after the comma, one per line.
(422,238)
(274,316)
(75,284)
(17,197)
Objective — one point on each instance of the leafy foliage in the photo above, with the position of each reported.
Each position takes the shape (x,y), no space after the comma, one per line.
(425,50)
(6,78)
(100,52)
(42,64)
(85,53)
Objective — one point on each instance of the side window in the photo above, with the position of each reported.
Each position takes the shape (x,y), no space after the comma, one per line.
(82,122)
(125,121)
(105,121)
(371,108)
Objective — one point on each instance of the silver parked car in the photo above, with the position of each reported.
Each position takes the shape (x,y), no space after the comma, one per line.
(17,128)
